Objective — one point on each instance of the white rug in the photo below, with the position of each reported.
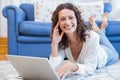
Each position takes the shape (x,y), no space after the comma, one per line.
(112,72)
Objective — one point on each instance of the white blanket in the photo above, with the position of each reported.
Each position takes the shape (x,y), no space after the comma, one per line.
(111,72)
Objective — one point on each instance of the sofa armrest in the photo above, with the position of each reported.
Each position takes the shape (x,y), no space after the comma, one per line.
(107,7)
(14,16)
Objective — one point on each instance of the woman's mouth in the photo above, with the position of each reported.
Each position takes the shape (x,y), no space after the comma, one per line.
(68,27)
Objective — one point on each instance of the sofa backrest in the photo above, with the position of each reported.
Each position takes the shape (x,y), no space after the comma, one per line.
(29,11)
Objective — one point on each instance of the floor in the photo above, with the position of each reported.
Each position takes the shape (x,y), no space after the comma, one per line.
(3,48)
(112,72)
(7,71)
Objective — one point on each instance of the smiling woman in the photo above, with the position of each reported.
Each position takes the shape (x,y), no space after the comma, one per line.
(86,48)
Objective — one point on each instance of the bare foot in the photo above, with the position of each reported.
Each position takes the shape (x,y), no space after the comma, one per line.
(104,21)
(93,24)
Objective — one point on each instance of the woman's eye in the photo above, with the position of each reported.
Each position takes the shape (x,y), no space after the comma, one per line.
(62,19)
(71,17)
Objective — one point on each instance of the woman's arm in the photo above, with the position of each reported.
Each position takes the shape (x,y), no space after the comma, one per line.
(56,61)
(56,38)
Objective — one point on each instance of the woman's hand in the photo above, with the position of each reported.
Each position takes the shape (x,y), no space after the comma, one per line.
(57,37)
(65,69)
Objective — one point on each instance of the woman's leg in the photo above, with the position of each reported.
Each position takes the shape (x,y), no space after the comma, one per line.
(103,25)
(105,43)
(104,21)
(93,24)
(108,47)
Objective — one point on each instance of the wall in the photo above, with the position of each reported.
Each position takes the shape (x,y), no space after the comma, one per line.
(115,14)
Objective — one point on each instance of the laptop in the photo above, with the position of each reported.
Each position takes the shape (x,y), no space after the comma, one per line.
(33,68)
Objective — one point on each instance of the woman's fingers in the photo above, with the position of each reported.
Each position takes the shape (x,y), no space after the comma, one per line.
(56,29)
(57,25)
(64,75)
(60,73)
(62,33)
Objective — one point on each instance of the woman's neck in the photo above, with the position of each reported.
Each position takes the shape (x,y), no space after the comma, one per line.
(73,38)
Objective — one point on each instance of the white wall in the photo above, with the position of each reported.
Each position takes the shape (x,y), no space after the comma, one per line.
(115,14)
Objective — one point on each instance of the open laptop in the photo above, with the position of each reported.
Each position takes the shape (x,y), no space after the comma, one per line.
(33,68)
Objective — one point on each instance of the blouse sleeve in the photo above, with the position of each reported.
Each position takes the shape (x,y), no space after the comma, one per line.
(57,61)
(89,64)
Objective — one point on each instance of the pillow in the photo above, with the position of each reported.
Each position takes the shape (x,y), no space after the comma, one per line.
(43,11)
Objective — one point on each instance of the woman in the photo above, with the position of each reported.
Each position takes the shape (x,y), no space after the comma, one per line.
(72,39)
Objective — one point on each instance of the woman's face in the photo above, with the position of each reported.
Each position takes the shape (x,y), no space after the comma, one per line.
(67,21)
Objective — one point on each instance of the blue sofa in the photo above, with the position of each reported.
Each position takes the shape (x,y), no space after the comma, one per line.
(29,38)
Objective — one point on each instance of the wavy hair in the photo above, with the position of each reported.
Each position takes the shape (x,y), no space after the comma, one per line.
(81,26)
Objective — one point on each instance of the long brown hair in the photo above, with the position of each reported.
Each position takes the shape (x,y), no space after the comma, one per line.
(81,26)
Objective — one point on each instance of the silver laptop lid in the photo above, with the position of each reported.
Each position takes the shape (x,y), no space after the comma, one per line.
(35,68)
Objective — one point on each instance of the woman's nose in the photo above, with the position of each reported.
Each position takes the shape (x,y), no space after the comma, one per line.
(67,22)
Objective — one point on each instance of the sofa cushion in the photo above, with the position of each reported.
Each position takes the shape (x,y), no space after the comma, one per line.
(33,39)
(113,28)
(31,28)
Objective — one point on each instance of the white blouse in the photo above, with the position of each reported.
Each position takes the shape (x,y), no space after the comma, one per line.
(92,55)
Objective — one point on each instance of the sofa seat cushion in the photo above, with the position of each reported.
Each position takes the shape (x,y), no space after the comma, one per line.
(31,28)
(33,39)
